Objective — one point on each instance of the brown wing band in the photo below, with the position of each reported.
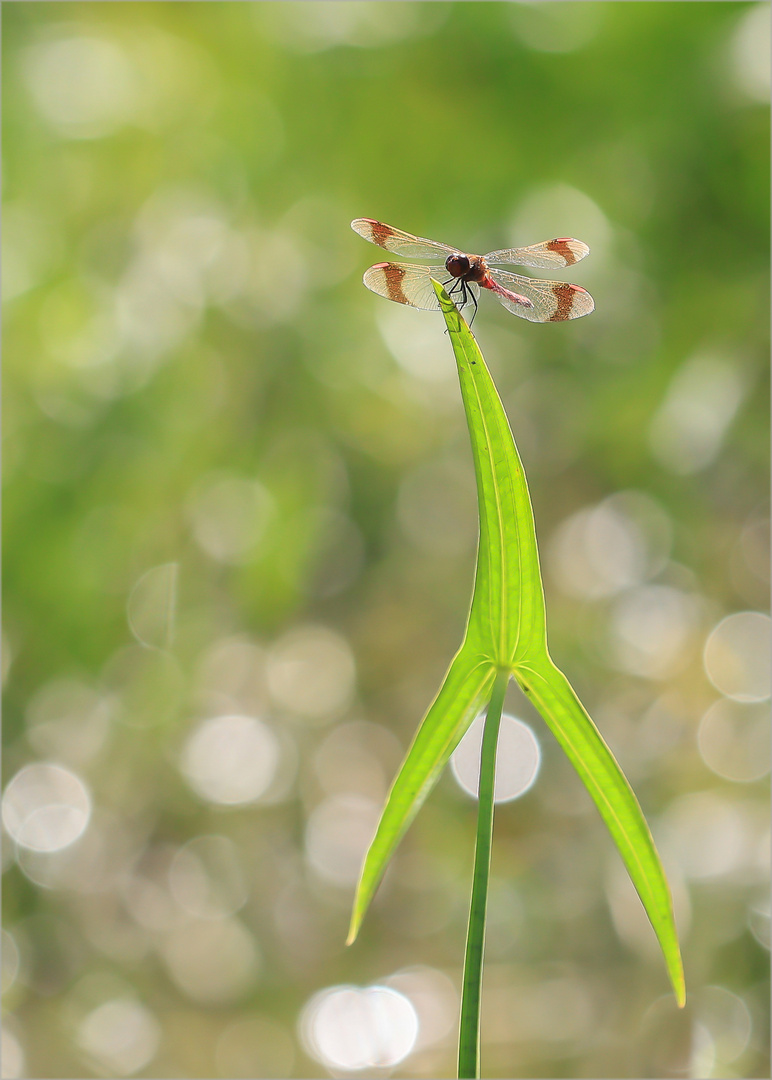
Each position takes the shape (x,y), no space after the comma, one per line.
(560,247)
(564,294)
(394,273)
(381,233)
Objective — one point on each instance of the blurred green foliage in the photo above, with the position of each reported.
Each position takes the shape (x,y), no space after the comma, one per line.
(238,485)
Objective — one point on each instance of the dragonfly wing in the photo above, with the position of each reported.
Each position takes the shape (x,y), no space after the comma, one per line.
(408,284)
(547,255)
(551,301)
(401,243)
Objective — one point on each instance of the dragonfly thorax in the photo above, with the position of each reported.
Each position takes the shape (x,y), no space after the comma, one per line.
(468,267)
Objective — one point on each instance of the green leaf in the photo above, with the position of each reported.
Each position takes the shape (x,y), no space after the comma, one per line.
(506,631)
(463,695)
(567,719)
(507,519)
(507,615)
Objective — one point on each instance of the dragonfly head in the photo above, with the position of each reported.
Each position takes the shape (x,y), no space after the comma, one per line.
(457,265)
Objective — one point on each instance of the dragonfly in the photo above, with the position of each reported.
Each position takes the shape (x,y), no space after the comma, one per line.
(530,298)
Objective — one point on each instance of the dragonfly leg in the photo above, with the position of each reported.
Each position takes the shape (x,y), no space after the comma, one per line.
(466,295)
(471,296)
(459,287)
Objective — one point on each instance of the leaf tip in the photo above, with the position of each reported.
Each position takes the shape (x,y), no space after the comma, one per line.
(678,981)
(446,304)
(353,929)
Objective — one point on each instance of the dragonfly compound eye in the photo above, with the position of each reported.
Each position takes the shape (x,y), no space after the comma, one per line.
(457,265)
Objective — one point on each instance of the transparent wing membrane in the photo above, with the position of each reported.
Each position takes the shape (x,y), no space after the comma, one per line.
(401,243)
(408,284)
(552,301)
(547,255)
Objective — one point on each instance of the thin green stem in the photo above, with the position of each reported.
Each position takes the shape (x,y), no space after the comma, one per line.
(469,1033)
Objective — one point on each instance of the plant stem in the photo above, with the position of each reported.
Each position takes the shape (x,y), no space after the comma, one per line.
(469,1033)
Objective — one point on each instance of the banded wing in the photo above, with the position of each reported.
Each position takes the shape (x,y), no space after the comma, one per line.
(553,301)
(409,284)
(402,243)
(551,253)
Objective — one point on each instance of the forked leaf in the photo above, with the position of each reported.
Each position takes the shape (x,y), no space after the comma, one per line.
(506,631)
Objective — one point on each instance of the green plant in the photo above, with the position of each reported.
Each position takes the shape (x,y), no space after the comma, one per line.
(506,637)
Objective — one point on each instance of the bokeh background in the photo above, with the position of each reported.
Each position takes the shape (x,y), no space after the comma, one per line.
(240,531)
